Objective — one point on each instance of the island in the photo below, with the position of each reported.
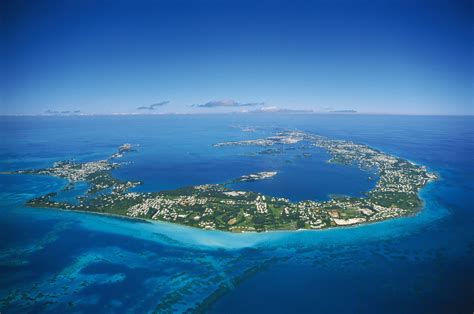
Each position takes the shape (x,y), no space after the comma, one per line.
(257,176)
(217,206)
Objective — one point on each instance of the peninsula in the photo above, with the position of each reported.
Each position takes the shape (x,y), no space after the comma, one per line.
(216,206)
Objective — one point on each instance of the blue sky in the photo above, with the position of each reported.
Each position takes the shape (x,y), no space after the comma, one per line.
(400,57)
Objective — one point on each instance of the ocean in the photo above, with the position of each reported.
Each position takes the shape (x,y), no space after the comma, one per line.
(55,261)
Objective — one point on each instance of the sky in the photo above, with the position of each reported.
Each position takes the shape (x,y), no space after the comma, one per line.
(102,57)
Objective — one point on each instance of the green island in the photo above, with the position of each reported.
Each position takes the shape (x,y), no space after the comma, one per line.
(216,206)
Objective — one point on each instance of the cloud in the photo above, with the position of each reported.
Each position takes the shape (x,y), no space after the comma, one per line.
(152,107)
(51,111)
(335,110)
(280,110)
(344,111)
(326,109)
(227,103)
(62,112)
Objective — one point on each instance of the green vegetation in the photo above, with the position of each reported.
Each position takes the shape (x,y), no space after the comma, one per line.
(218,207)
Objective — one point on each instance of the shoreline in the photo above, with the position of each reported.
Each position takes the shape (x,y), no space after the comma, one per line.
(396,193)
(152,222)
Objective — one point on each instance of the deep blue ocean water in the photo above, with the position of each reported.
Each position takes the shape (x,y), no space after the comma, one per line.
(59,261)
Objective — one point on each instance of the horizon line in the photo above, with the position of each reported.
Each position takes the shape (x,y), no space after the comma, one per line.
(236,113)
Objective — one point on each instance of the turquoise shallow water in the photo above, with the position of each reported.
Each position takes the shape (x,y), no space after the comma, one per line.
(57,261)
